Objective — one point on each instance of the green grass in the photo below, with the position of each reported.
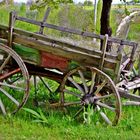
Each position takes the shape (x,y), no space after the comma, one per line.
(59,124)
(60,127)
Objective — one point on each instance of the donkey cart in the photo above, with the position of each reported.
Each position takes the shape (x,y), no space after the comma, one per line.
(89,78)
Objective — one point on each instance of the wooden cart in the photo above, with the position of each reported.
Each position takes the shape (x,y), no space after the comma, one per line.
(89,79)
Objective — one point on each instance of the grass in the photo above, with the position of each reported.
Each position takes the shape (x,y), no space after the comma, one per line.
(22,128)
(60,125)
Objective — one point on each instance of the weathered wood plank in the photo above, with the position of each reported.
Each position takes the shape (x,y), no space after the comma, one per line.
(133,51)
(133,84)
(117,69)
(120,48)
(127,103)
(124,64)
(110,72)
(11,27)
(130,66)
(125,94)
(28,54)
(53,61)
(52,40)
(59,42)
(39,71)
(46,38)
(44,20)
(3,27)
(103,51)
(55,49)
(75,31)
(139,65)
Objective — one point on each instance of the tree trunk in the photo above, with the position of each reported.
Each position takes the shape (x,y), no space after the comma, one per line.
(105,21)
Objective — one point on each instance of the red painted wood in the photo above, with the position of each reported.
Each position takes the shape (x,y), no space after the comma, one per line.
(53,61)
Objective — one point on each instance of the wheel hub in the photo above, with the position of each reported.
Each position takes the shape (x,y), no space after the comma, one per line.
(88,99)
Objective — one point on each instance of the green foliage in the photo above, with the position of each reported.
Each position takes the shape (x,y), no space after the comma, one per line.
(21,128)
(88,114)
(126,10)
(38,116)
(76,17)
(88,3)
(23,7)
(136,1)
(49,3)
(2,3)
(6,2)
(62,127)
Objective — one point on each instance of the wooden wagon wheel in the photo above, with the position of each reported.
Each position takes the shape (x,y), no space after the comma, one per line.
(14,81)
(88,86)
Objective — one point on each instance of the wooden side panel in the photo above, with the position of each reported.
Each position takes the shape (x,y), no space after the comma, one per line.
(28,54)
(53,61)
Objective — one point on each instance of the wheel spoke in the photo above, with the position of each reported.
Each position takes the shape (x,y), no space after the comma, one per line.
(103,115)
(72,103)
(5,62)
(72,93)
(13,81)
(9,96)
(45,84)
(78,112)
(105,118)
(83,80)
(100,87)
(103,97)
(105,106)
(2,107)
(92,82)
(76,85)
(10,73)
(12,86)
(35,85)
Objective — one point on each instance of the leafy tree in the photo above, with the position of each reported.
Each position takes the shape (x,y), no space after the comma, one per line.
(6,2)
(135,1)
(88,3)
(49,3)
(105,14)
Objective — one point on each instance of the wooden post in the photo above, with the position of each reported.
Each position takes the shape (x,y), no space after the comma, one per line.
(118,70)
(12,19)
(133,51)
(139,65)
(120,47)
(130,67)
(104,50)
(44,20)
